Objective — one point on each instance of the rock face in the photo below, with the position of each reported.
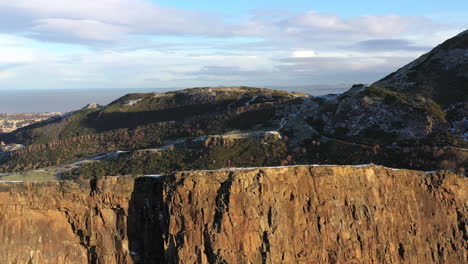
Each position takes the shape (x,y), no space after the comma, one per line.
(65,222)
(302,214)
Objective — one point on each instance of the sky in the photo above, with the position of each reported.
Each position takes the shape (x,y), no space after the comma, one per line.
(69,44)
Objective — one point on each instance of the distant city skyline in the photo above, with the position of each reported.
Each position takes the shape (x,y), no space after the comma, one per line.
(47,44)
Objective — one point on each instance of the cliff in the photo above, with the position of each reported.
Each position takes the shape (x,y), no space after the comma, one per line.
(301,214)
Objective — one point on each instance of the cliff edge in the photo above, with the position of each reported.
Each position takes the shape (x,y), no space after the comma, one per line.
(299,214)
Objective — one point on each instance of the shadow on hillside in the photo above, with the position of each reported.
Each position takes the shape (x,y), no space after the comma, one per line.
(105,121)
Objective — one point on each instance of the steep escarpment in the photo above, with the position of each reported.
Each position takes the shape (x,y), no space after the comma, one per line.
(301,214)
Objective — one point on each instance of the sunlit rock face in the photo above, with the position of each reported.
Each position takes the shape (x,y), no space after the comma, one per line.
(300,214)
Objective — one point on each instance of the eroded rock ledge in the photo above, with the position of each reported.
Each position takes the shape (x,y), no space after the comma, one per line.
(300,214)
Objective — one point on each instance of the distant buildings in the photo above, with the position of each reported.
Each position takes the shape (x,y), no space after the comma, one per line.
(11,122)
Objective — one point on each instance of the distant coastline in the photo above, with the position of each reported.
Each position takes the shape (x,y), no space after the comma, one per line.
(65,100)
(42,101)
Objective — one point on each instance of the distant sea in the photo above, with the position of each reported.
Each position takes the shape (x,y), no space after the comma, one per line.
(40,101)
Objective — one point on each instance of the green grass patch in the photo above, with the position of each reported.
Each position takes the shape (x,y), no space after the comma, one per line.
(30,176)
(395,98)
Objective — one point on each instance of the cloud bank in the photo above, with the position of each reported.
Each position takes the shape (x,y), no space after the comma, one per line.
(137,43)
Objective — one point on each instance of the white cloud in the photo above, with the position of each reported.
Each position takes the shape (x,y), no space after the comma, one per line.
(313,19)
(5,75)
(14,51)
(113,19)
(109,19)
(128,45)
(84,29)
(303,54)
(385,25)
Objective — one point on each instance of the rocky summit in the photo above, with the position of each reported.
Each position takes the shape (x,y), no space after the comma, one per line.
(298,214)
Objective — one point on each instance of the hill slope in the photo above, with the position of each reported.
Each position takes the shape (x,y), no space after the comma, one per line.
(135,110)
(428,98)
(440,75)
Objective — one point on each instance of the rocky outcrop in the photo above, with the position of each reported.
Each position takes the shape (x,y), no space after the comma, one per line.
(301,214)
(218,141)
(379,114)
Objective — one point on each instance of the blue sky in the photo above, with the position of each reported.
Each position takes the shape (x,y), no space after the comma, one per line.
(67,44)
(344,8)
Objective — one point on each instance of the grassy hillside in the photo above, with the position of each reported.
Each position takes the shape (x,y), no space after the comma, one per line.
(366,124)
(133,110)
